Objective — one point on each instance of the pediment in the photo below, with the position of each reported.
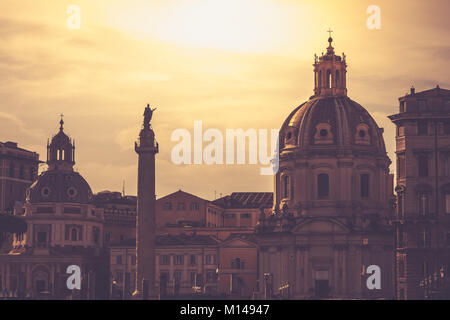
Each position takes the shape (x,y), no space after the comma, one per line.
(237,243)
(320,225)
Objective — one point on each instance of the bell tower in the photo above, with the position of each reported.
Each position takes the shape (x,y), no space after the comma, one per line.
(330,71)
(146,147)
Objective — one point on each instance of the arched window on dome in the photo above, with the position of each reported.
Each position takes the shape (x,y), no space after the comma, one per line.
(323,185)
(329,80)
(337,78)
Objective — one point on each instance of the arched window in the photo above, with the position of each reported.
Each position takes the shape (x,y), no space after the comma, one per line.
(329,79)
(286,186)
(320,79)
(337,78)
(323,185)
(74,234)
(365,182)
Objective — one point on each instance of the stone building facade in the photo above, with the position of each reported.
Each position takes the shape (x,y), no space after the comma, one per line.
(422,223)
(332,198)
(18,170)
(64,228)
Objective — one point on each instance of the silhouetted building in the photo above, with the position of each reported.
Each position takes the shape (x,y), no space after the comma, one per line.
(64,228)
(119,213)
(18,169)
(423,193)
(190,265)
(332,198)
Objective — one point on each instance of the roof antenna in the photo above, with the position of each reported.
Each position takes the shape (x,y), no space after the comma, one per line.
(123,188)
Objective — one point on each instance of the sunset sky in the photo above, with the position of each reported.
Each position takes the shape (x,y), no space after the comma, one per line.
(231,64)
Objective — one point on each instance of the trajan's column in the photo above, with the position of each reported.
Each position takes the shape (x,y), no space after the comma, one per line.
(146,147)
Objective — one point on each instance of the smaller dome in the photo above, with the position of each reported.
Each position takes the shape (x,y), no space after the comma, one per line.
(60,139)
(59,186)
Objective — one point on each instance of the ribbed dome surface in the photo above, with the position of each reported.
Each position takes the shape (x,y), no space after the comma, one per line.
(60,186)
(331,122)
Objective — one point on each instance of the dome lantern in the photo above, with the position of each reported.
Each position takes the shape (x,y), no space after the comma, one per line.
(61,150)
(330,73)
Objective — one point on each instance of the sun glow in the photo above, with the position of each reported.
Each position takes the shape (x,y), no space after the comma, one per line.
(238,25)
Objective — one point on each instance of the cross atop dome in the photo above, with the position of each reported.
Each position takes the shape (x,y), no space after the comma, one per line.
(61,122)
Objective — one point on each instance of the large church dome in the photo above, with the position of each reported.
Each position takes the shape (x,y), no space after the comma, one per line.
(332,123)
(332,156)
(330,120)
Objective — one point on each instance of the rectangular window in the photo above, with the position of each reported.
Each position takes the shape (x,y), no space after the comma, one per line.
(401,268)
(177,275)
(192,260)
(245,216)
(400,205)
(42,237)
(210,259)
(210,276)
(72,210)
(44,210)
(423,204)
(119,259)
(323,186)
(365,185)
(286,186)
(195,206)
(401,166)
(447,128)
(178,259)
(424,239)
(167,206)
(192,276)
(422,105)
(402,294)
(422,128)
(400,238)
(424,269)
(164,260)
(181,206)
(423,166)
(447,203)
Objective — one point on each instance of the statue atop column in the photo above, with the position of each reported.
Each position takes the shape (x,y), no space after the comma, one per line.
(148,114)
